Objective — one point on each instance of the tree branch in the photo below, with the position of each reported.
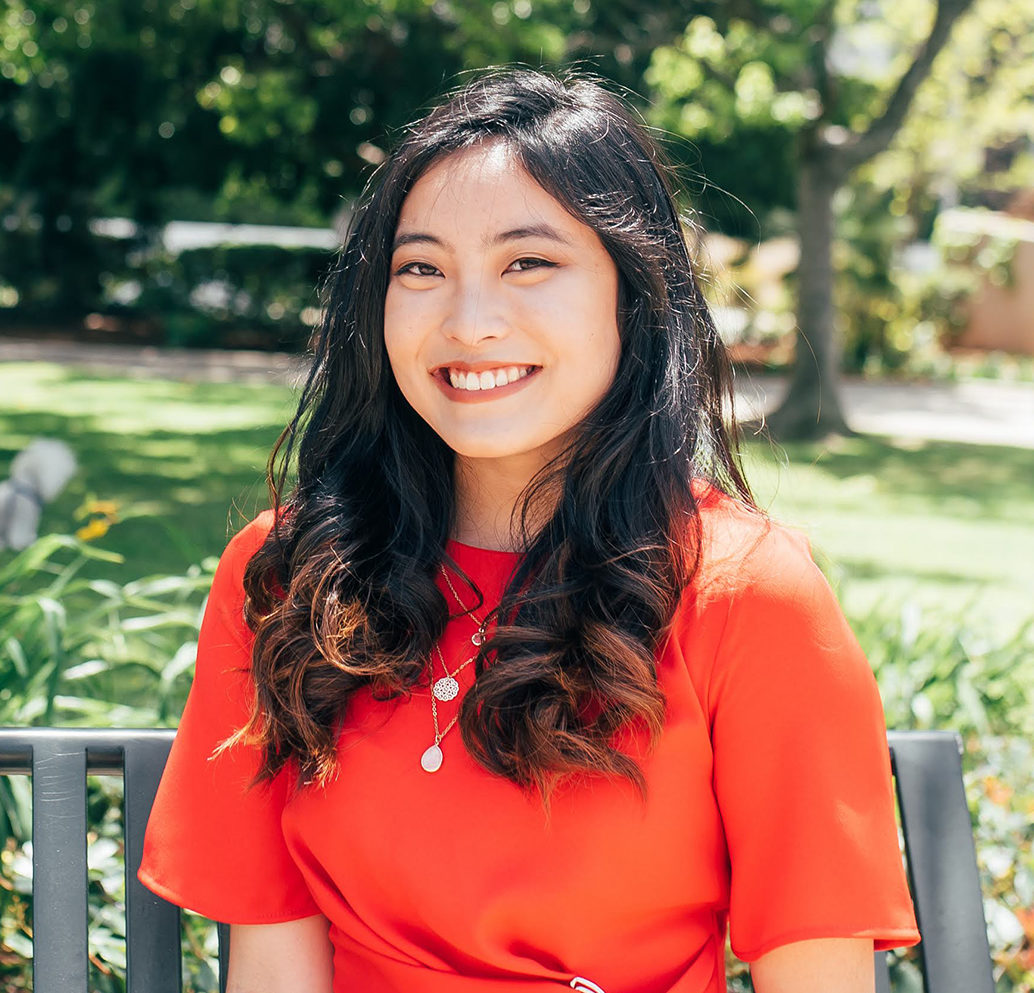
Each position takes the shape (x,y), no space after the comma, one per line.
(819,51)
(863,147)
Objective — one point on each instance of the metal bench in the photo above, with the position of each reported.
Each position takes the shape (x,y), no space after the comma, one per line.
(928,775)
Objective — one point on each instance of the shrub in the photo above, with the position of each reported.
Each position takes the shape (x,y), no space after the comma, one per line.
(75,650)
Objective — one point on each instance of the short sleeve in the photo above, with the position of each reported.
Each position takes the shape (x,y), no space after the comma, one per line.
(802,770)
(214,843)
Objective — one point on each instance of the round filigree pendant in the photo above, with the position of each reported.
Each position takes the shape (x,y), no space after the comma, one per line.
(446,689)
(431,760)
(478,638)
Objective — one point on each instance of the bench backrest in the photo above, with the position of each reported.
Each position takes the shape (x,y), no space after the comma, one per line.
(58,761)
(942,865)
(928,775)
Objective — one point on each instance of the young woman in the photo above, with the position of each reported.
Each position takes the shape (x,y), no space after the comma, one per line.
(515,689)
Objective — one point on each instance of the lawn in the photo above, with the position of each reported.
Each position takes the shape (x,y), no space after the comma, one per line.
(184,461)
(946,526)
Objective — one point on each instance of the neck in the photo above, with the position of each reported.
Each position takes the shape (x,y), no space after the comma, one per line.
(487,492)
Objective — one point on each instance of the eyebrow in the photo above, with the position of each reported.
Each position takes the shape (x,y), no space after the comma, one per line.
(546,231)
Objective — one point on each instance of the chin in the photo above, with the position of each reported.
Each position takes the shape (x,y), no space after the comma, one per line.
(491,447)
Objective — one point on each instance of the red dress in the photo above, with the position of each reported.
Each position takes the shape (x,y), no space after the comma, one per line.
(769,805)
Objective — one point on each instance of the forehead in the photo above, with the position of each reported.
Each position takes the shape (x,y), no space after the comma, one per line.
(484,186)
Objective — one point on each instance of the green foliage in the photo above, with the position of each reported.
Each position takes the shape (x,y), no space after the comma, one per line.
(235,295)
(76,650)
(937,673)
(899,319)
(868,296)
(966,139)
(88,651)
(253,111)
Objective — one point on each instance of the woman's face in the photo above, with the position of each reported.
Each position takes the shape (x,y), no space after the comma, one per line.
(500,319)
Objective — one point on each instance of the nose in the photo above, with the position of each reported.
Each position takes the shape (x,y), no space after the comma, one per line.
(475,315)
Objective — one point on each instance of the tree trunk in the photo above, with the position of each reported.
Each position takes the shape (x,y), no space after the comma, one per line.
(812,407)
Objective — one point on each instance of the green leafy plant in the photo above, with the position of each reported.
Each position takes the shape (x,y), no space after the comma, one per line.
(935,672)
(87,651)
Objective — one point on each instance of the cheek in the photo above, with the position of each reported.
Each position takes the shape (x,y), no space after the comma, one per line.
(399,340)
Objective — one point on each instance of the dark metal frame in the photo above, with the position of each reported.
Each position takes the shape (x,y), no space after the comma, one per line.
(59,761)
(928,776)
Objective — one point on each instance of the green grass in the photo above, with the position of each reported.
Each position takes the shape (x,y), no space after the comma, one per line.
(949,526)
(185,461)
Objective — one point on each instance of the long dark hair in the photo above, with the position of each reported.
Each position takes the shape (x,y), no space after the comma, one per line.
(342,593)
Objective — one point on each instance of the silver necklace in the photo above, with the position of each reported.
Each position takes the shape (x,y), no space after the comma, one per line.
(447,688)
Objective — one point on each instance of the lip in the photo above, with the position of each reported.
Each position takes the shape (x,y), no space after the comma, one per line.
(440,377)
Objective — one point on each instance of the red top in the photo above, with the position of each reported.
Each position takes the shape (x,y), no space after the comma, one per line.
(769,805)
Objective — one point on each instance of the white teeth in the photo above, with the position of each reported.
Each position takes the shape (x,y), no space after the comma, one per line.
(487,380)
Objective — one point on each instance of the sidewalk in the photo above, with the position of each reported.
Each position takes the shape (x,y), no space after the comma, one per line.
(979,411)
(985,412)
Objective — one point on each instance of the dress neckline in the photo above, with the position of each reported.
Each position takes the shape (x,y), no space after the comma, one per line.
(460,549)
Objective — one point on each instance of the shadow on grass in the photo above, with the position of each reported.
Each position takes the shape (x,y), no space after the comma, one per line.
(858,568)
(182,486)
(953,477)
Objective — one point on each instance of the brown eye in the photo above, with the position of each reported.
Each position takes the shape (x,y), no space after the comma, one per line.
(529,263)
(416,269)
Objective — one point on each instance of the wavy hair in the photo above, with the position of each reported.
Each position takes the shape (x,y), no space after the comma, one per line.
(342,593)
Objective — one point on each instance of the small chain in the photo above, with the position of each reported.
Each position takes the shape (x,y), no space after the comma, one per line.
(439,735)
(434,700)
(481,624)
(451,675)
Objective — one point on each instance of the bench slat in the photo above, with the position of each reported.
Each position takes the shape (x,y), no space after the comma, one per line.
(152,925)
(224,955)
(882,973)
(60,950)
(942,862)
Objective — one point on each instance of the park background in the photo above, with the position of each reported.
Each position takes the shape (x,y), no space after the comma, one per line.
(857,179)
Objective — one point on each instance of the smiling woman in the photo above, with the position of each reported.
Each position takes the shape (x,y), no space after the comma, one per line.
(519,514)
(500,320)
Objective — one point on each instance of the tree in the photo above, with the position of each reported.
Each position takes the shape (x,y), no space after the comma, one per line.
(968,137)
(240,110)
(820,71)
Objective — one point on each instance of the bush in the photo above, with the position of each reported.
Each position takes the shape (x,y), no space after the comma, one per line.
(258,296)
(934,672)
(81,651)
(217,296)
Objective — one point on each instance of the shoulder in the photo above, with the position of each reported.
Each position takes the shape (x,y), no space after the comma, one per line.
(228,583)
(745,553)
(760,621)
(245,543)
(757,590)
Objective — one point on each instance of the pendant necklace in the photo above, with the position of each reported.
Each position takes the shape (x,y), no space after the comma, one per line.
(447,688)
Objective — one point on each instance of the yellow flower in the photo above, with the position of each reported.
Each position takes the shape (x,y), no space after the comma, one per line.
(96,528)
(105,508)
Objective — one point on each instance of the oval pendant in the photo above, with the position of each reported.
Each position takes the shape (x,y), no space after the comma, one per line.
(446,689)
(431,760)
(478,638)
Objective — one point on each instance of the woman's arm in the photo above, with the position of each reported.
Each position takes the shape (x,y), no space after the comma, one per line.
(281,958)
(822,965)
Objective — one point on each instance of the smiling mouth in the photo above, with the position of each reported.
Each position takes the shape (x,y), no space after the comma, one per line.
(488,379)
